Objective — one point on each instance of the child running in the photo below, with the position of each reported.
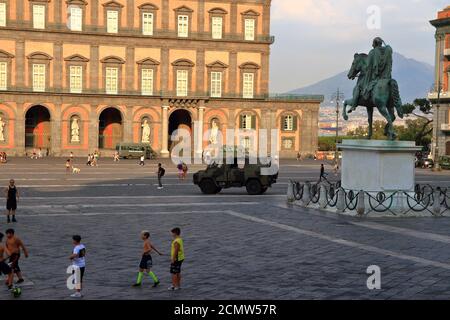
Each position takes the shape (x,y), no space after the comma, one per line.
(146,262)
(78,260)
(177,258)
(4,267)
(13,247)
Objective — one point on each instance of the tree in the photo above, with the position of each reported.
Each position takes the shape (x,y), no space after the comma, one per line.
(420,129)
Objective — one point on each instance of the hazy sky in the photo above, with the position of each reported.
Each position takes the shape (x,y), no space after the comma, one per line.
(315,39)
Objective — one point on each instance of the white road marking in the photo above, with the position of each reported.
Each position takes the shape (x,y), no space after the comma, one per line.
(403,231)
(119,213)
(219,196)
(340,241)
(144,205)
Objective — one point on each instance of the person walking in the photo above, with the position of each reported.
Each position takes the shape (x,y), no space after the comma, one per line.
(322,173)
(12,196)
(161,172)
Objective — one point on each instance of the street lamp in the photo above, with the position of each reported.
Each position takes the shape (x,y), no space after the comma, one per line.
(338,96)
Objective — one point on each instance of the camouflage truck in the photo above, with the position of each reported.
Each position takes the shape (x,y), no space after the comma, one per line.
(222,176)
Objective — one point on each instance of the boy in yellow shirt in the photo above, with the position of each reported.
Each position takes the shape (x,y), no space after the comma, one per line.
(177,258)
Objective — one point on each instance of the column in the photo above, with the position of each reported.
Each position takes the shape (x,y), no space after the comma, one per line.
(57,66)
(199,131)
(130,14)
(165,15)
(19,130)
(165,132)
(94,64)
(232,82)
(130,70)
(233,17)
(94,14)
(93,129)
(20,64)
(164,70)
(56,131)
(266,19)
(264,87)
(201,16)
(200,72)
(19,11)
(58,11)
(128,125)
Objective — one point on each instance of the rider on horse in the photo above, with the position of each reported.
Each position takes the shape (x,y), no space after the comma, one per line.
(379,67)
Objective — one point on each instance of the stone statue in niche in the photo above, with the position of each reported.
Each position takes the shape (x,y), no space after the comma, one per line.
(74,131)
(145,132)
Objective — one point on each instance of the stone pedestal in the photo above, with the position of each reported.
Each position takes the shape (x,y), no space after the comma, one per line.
(378,165)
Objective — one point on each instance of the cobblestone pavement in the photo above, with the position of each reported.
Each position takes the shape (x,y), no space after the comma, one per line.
(237,246)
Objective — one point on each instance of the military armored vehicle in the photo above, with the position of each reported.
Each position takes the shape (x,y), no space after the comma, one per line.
(222,176)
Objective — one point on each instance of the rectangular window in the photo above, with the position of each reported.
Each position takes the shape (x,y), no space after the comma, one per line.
(248,85)
(76,19)
(38,16)
(183,26)
(147,24)
(112,80)
(147,82)
(39,77)
(288,123)
(76,79)
(249,29)
(112,25)
(182,83)
(3,76)
(2,14)
(246,121)
(217,27)
(216,84)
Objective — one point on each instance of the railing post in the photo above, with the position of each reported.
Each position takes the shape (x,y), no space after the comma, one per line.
(361,205)
(290,192)
(437,201)
(340,206)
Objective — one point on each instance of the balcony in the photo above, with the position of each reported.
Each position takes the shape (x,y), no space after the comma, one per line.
(447,52)
(445,127)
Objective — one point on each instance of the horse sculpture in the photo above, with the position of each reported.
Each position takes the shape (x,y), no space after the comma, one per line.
(384,96)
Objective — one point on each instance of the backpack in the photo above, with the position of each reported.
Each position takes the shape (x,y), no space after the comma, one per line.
(162,172)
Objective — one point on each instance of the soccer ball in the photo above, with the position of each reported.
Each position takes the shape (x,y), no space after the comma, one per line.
(16,292)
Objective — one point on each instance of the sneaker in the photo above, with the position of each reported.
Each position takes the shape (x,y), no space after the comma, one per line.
(177,288)
(171,288)
(159,188)
(155,284)
(76,295)
(14,219)
(136,285)
(20,281)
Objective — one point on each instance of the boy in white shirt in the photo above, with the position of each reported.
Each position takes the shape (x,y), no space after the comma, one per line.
(78,260)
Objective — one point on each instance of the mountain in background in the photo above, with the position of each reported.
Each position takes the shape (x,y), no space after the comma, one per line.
(415,79)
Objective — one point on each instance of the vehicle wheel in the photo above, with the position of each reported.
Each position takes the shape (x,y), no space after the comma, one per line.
(208,186)
(253,187)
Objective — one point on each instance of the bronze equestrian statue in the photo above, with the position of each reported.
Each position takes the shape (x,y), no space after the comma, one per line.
(375,87)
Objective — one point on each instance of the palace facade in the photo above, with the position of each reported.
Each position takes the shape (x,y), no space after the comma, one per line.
(83,75)
(440,97)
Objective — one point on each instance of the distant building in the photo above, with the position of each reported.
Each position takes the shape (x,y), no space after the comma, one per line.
(82,75)
(441,95)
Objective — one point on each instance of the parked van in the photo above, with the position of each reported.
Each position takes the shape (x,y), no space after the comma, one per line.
(135,150)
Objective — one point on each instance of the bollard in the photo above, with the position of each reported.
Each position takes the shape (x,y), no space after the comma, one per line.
(306,194)
(323,201)
(340,205)
(361,205)
(437,202)
(290,192)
